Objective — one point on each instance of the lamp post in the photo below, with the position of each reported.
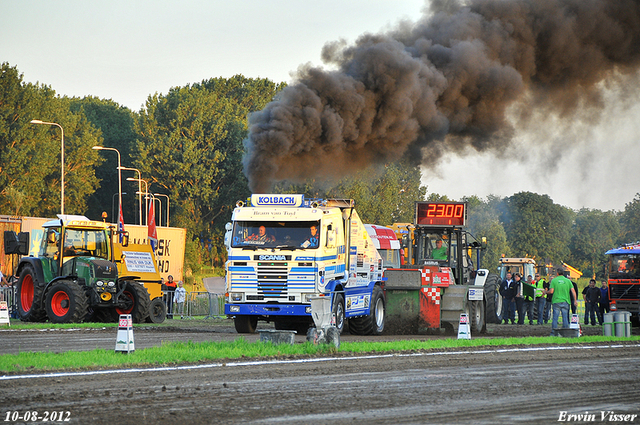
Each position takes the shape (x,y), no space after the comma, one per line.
(102,148)
(61,159)
(146,191)
(139,188)
(167,196)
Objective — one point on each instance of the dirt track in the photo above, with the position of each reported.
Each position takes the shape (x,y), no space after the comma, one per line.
(479,386)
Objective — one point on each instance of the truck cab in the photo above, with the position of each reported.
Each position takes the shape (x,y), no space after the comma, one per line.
(623,278)
(285,249)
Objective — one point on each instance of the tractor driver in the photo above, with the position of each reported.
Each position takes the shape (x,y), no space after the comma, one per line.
(53,241)
(439,252)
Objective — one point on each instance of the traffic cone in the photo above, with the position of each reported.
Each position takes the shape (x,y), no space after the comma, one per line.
(464,331)
(124,340)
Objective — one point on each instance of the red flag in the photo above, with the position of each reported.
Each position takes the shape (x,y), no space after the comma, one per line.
(151,225)
(121,224)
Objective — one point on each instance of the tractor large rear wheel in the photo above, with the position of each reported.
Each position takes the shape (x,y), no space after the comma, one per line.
(493,312)
(29,297)
(134,301)
(66,303)
(477,316)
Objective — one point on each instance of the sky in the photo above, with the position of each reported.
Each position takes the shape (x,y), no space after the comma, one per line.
(129,50)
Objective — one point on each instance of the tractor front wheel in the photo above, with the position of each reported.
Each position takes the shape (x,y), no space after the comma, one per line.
(134,301)
(66,302)
(157,311)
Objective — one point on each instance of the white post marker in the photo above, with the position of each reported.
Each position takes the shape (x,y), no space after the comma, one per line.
(4,313)
(124,340)
(575,323)
(464,331)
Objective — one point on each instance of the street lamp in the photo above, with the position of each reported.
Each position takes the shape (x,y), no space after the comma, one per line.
(139,188)
(146,191)
(162,194)
(102,148)
(61,160)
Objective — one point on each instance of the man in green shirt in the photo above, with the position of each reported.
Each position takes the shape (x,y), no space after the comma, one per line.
(562,290)
(439,252)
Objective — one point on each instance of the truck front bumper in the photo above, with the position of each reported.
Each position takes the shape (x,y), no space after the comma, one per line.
(286,310)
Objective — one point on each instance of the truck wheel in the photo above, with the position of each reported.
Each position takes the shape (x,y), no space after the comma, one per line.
(373,323)
(245,324)
(337,310)
(493,299)
(66,303)
(157,311)
(29,297)
(135,301)
(476,309)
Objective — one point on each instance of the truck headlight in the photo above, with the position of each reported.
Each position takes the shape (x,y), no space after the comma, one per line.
(236,296)
(234,309)
(306,298)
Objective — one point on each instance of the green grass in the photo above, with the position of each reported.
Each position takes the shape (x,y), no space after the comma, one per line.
(17,324)
(174,353)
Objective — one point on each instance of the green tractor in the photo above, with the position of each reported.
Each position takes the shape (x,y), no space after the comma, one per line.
(73,279)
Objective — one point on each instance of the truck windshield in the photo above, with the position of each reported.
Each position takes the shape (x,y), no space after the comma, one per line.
(267,234)
(625,265)
(85,242)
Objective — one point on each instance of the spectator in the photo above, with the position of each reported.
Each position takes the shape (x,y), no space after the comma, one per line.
(574,294)
(171,288)
(3,283)
(180,296)
(548,304)
(529,301)
(519,299)
(540,297)
(591,297)
(562,290)
(508,293)
(604,301)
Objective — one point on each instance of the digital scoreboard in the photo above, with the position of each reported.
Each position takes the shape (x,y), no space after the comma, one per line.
(441,213)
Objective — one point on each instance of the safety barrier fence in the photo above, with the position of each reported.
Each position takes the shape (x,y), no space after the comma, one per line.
(7,294)
(196,304)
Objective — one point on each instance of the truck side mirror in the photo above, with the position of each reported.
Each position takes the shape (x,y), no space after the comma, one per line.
(125,239)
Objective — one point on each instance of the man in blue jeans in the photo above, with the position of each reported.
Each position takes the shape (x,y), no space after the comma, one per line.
(562,290)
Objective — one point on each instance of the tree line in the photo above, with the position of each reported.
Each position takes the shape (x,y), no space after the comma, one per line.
(188,145)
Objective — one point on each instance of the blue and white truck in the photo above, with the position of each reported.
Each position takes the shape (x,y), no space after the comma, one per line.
(285,249)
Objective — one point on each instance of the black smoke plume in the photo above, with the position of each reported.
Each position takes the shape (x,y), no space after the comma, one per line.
(444,83)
